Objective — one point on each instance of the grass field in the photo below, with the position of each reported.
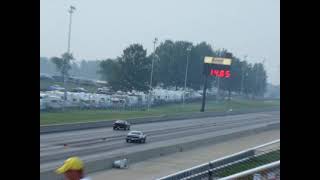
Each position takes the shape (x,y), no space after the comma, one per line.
(71,116)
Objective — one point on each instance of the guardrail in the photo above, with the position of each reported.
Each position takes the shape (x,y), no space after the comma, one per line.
(108,123)
(230,164)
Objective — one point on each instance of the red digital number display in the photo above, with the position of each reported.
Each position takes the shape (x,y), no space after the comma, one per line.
(220,73)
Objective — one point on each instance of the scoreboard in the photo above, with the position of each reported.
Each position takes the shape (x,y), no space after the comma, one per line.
(216,66)
(220,73)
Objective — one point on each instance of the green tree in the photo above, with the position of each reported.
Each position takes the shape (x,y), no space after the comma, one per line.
(135,67)
(129,72)
(260,80)
(63,64)
(172,63)
(229,84)
(195,73)
(110,70)
(164,66)
(233,84)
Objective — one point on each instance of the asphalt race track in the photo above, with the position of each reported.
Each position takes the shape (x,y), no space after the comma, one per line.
(56,147)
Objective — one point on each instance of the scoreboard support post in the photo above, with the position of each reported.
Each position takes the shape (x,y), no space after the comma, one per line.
(204,93)
(218,90)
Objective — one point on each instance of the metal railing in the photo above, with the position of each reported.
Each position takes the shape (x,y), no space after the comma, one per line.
(232,164)
(268,171)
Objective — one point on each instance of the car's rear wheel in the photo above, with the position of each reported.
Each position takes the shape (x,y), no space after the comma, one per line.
(127,140)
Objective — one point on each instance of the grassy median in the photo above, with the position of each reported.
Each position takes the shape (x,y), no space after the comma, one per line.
(71,116)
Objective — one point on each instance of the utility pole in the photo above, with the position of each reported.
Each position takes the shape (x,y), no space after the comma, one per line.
(186,74)
(150,87)
(263,63)
(72,8)
(242,75)
(218,79)
(258,78)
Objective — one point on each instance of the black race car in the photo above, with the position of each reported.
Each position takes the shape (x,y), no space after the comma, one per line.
(121,124)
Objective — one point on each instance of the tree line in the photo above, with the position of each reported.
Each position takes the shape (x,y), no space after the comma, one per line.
(85,68)
(131,70)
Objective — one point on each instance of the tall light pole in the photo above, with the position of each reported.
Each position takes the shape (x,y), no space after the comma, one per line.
(258,76)
(242,75)
(72,8)
(154,55)
(218,79)
(186,75)
(261,76)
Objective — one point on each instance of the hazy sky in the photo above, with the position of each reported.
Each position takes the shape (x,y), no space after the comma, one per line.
(103,28)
